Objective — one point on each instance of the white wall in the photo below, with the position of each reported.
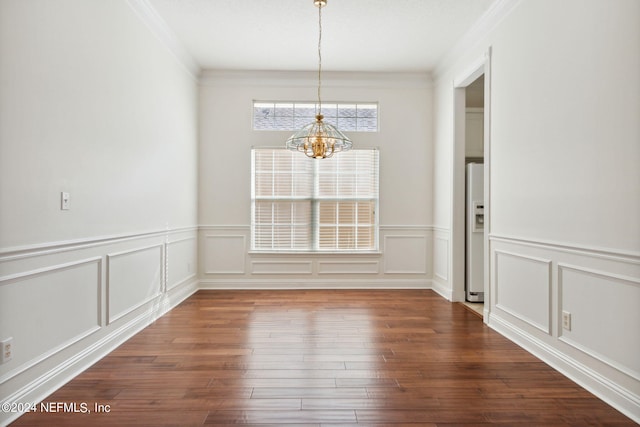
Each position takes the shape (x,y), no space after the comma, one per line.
(565,185)
(404,140)
(93,104)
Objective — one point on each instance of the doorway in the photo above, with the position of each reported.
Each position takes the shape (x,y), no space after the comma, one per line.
(471,145)
(474,196)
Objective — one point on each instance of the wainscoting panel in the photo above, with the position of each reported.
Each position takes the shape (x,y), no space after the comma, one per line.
(47,301)
(348,267)
(405,254)
(67,304)
(523,288)
(441,264)
(596,301)
(224,254)
(533,282)
(441,257)
(281,267)
(181,260)
(404,260)
(133,278)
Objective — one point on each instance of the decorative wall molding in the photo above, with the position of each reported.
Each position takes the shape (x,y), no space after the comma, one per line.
(622,399)
(440,229)
(133,286)
(521,299)
(441,257)
(281,267)
(247,227)
(441,262)
(44,356)
(161,30)
(593,251)
(324,283)
(191,278)
(599,287)
(120,254)
(348,267)
(30,251)
(579,365)
(187,258)
(218,227)
(627,296)
(404,251)
(77,336)
(6,280)
(409,255)
(224,253)
(442,290)
(54,378)
(337,79)
(599,273)
(482,28)
(79,274)
(407,228)
(183,239)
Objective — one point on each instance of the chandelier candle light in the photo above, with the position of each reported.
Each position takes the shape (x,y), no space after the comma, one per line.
(318,139)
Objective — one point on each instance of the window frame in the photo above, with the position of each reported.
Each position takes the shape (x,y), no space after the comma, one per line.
(315,200)
(298,121)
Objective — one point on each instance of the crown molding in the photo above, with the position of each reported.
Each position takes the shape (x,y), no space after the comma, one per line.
(310,78)
(167,37)
(474,36)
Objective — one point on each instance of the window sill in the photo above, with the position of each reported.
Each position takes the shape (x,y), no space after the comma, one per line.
(317,253)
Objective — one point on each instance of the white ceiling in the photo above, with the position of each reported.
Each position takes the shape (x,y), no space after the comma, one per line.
(358,35)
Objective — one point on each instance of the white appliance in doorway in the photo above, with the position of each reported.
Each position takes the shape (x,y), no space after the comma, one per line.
(474,277)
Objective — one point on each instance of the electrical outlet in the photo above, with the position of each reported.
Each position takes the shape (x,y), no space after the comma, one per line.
(65,201)
(566,320)
(7,350)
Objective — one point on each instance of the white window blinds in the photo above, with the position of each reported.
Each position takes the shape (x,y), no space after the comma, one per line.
(302,204)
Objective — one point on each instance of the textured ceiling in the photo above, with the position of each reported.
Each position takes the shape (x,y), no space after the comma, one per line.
(358,35)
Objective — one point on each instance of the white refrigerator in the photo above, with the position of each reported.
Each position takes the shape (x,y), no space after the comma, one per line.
(474,277)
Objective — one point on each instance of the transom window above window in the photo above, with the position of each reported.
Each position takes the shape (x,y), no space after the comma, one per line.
(302,204)
(289,116)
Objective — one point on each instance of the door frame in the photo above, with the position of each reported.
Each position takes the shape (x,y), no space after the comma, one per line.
(457,251)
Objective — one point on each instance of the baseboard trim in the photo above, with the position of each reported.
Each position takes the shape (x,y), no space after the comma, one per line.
(277,284)
(621,399)
(442,290)
(38,389)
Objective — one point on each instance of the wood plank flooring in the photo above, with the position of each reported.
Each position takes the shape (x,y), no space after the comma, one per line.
(323,357)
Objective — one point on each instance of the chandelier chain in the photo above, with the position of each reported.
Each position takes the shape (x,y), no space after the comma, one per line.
(319,58)
(318,139)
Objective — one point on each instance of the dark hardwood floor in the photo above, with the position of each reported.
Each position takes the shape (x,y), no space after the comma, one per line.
(322,357)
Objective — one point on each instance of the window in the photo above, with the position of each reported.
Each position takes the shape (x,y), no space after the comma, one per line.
(290,116)
(302,204)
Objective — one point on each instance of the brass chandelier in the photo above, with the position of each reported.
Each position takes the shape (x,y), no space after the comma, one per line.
(318,139)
